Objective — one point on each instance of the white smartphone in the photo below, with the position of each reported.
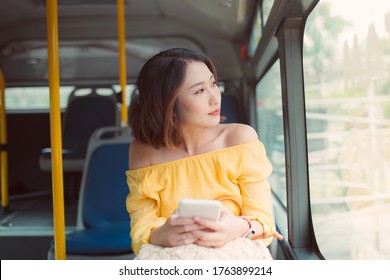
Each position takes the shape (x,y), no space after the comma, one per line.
(205,208)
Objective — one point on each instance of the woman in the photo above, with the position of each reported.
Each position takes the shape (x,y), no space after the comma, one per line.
(182,151)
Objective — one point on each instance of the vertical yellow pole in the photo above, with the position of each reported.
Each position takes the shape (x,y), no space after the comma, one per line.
(55,130)
(122,59)
(3,149)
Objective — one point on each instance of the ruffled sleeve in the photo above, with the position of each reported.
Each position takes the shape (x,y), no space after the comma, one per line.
(143,203)
(254,187)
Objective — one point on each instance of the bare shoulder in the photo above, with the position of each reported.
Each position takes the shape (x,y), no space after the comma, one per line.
(140,155)
(237,134)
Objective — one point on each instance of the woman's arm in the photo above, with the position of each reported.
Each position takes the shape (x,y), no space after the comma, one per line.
(254,187)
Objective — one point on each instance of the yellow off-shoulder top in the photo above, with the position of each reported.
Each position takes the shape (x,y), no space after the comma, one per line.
(235,175)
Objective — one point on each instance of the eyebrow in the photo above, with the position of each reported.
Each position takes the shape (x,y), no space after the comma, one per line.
(199,83)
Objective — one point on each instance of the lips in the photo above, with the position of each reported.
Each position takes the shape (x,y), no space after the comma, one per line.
(215,113)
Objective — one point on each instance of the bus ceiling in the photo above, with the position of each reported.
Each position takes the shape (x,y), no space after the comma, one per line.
(88,33)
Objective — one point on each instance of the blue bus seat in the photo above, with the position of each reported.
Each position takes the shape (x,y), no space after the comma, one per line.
(103,223)
(84,114)
(230,109)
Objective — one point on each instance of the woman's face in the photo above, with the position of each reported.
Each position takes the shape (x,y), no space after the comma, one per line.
(199,98)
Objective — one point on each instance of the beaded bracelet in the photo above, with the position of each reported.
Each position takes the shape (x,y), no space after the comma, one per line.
(251,231)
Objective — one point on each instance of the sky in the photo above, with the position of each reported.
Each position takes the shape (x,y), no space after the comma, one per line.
(361,13)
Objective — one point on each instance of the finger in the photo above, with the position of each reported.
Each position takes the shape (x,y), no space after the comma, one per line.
(225,210)
(209,243)
(190,227)
(186,239)
(180,221)
(176,212)
(207,235)
(277,235)
(207,223)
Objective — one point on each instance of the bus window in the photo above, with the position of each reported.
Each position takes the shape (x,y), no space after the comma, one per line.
(270,127)
(347,88)
(33,98)
(258,24)
(266,6)
(24,99)
(257,31)
(130,88)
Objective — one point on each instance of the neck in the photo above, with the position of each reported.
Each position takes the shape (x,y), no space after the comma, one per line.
(194,140)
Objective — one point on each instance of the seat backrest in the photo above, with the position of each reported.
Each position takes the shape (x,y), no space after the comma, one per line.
(104,188)
(84,114)
(230,109)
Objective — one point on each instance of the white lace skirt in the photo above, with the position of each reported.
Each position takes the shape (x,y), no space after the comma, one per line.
(238,249)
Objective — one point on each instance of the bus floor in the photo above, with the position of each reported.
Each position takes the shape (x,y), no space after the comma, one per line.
(27,230)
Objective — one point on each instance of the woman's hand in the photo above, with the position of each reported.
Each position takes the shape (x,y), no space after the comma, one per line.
(220,232)
(179,231)
(276,235)
(226,229)
(176,231)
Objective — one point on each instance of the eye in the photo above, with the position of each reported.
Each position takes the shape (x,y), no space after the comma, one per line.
(199,91)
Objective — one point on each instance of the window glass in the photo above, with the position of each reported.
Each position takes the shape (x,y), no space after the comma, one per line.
(270,127)
(38,98)
(31,98)
(130,88)
(256,33)
(347,87)
(266,7)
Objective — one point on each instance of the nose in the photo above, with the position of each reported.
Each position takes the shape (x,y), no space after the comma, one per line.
(215,96)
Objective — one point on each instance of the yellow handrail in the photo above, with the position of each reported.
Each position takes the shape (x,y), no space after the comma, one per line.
(3,142)
(122,59)
(55,130)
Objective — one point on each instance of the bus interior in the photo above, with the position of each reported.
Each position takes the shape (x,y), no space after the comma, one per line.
(312,79)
